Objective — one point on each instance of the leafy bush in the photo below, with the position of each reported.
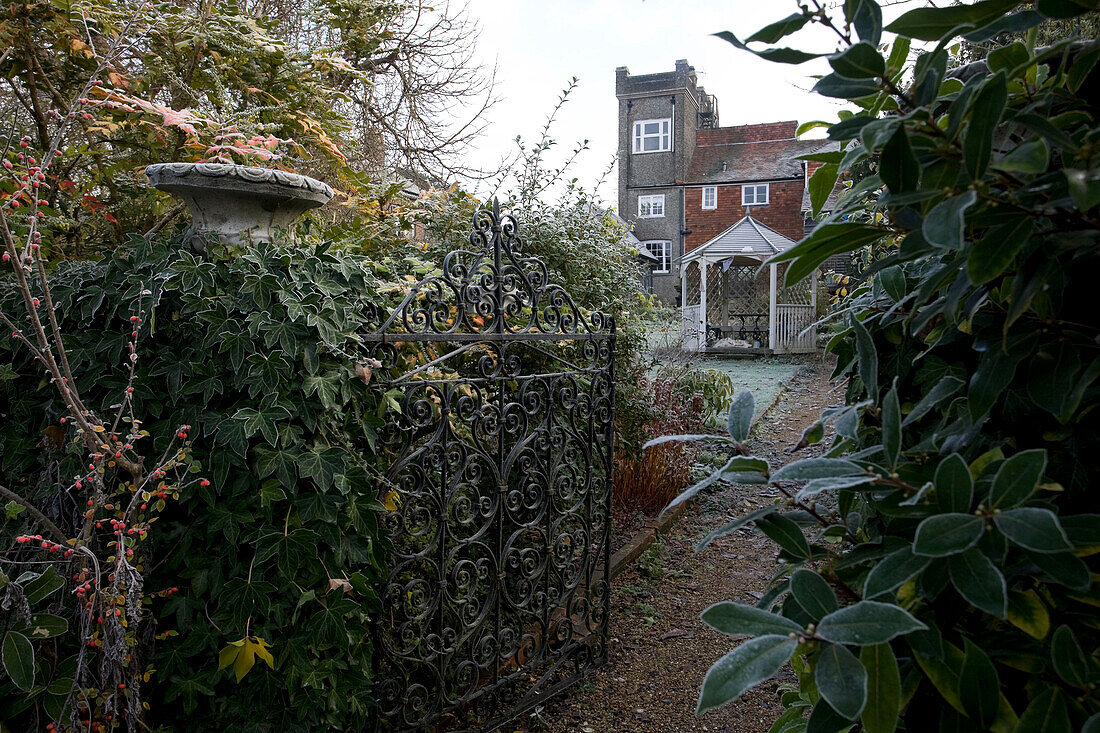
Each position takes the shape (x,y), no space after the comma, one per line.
(939,560)
(283,548)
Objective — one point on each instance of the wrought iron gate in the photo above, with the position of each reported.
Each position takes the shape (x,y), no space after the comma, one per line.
(500,488)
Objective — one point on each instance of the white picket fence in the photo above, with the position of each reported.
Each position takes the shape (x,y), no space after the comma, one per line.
(793,331)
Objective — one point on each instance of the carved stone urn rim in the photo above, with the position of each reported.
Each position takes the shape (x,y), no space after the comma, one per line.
(239,178)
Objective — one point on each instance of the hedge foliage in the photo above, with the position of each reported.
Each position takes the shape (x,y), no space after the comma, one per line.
(939,562)
(283,546)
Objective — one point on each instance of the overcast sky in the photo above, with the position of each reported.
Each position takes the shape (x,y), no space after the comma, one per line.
(538,45)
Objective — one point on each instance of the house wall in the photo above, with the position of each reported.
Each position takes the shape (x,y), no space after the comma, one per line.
(749,133)
(783,212)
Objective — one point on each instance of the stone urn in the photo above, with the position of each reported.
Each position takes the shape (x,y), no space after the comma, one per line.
(238,204)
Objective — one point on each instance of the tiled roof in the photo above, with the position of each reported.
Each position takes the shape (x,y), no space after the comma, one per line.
(746,238)
(767,160)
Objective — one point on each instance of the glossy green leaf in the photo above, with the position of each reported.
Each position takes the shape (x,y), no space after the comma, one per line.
(779,29)
(1047,713)
(823,719)
(1017,478)
(785,533)
(988,106)
(866,18)
(43,586)
(17,654)
(979,581)
(1069,659)
(822,243)
(813,593)
(1033,528)
(995,252)
(746,666)
(883,689)
(868,358)
(947,534)
(866,623)
(1064,568)
(954,485)
(737,619)
(932,24)
(841,87)
(45,626)
(943,389)
(891,428)
(898,166)
(733,526)
(1028,157)
(820,185)
(979,686)
(944,224)
(811,468)
(859,61)
(891,571)
(777,55)
(841,680)
(817,486)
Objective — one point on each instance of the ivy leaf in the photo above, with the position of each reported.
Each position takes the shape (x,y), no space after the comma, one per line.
(282,463)
(867,623)
(242,655)
(1017,478)
(17,654)
(883,689)
(737,619)
(1033,528)
(322,466)
(979,581)
(947,534)
(290,548)
(746,666)
(262,420)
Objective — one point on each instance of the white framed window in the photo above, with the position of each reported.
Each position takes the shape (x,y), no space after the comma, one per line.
(754,195)
(653,136)
(651,207)
(662,250)
(710,197)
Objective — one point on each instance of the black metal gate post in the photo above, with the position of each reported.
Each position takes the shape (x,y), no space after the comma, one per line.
(499,463)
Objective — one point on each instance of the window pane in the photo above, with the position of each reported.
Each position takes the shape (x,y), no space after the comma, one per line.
(652,128)
(650,143)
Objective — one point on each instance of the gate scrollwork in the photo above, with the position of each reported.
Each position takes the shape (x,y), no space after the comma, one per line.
(498,463)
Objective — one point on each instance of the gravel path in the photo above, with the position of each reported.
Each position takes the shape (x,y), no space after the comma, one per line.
(660,648)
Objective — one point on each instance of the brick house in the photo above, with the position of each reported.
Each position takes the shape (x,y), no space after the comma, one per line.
(683,180)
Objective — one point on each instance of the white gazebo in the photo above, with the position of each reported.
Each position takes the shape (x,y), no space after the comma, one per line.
(731,307)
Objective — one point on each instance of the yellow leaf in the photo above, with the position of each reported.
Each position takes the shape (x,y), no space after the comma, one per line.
(242,655)
(1027,613)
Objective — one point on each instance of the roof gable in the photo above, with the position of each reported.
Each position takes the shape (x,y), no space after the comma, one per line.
(747,238)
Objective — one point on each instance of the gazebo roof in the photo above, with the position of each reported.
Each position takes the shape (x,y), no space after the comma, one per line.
(746,238)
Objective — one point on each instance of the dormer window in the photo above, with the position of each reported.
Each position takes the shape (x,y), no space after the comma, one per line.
(754,195)
(653,136)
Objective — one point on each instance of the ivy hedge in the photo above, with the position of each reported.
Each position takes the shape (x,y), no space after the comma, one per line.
(938,564)
(283,545)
